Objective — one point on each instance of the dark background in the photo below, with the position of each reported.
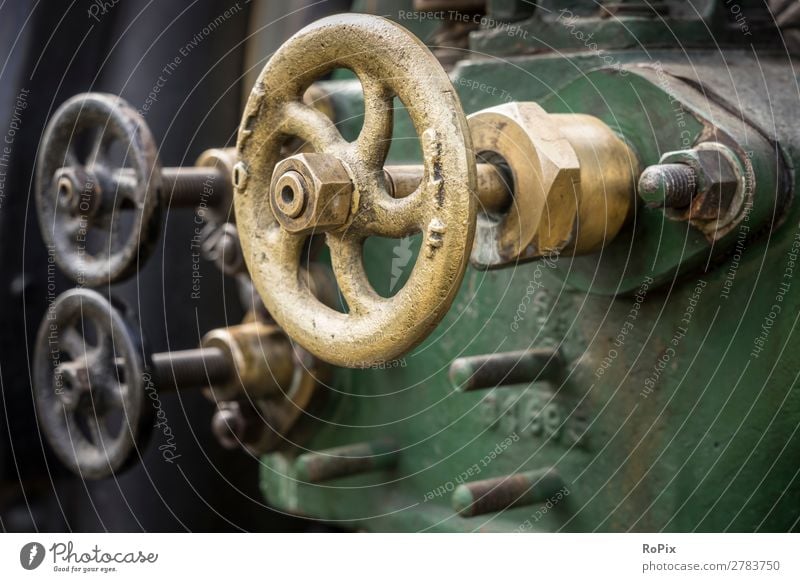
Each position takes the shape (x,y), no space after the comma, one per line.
(55,50)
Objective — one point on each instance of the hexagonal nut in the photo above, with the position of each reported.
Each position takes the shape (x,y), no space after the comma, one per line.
(261,355)
(573,183)
(544,167)
(311,193)
(719,178)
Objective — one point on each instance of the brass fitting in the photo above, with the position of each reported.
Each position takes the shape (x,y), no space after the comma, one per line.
(573,183)
(261,356)
(79,190)
(218,209)
(311,193)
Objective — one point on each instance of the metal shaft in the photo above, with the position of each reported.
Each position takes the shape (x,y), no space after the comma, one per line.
(188,187)
(184,187)
(319,466)
(493,187)
(196,368)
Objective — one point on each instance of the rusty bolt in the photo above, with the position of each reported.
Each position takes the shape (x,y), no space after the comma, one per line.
(311,193)
(702,180)
(291,194)
(668,185)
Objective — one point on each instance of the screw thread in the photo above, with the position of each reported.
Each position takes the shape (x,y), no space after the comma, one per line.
(191,368)
(669,185)
(185,187)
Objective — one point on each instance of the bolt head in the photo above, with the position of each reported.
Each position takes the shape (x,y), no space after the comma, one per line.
(291,194)
(670,185)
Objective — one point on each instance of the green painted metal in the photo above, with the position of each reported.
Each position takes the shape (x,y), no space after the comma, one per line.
(678,409)
(600,26)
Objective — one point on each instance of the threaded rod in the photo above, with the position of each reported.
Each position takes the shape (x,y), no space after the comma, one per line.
(668,185)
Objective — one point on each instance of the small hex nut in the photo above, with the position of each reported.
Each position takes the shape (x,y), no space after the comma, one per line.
(325,189)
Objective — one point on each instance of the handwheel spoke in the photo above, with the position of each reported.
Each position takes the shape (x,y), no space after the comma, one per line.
(373,142)
(98,152)
(103,351)
(70,226)
(115,399)
(115,241)
(125,186)
(396,218)
(348,267)
(311,126)
(72,342)
(71,159)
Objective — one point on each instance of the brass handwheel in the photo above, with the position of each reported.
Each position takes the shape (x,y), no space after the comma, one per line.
(341,189)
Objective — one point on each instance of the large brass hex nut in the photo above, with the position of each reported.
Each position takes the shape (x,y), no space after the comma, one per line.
(311,193)
(573,183)
(544,168)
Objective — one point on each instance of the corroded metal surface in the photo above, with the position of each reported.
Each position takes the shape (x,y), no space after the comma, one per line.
(506,368)
(489,495)
(721,200)
(84,220)
(260,356)
(375,328)
(330,464)
(573,184)
(104,376)
(311,193)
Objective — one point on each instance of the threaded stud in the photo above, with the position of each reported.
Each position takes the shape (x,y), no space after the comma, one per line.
(668,185)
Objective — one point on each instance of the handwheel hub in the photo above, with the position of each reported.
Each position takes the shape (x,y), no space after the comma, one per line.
(311,193)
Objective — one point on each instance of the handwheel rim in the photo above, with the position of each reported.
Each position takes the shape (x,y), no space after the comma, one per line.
(61,425)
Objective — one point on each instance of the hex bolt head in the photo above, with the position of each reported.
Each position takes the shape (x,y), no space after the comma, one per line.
(668,185)
(310,193)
